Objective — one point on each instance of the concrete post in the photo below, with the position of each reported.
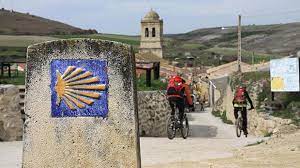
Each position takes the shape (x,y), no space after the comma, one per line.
(2,69)
(81,105)
(239,59)
(156,70)
(210,95)
(9,70)
(148,77)
(212,88)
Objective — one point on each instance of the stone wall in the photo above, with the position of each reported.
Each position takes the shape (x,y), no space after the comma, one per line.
(11,124)
(154,110)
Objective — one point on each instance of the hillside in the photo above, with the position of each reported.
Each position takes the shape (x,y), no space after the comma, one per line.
(209,46)
(16,23)
(278,39)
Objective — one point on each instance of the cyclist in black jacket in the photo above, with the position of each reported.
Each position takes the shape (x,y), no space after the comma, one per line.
(239,102)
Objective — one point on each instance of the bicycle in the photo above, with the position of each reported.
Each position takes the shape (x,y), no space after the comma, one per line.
(239,124)
(174,124)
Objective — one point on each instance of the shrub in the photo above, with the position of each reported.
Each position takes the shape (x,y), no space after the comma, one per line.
(155,84)
(216,113)
(222,115)
(288,114)
(256,143)
(224,118)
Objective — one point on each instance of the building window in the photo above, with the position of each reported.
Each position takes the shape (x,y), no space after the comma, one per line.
(153,32)
(146,32)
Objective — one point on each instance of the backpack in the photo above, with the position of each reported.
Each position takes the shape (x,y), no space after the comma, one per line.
(240,97)
(175,86)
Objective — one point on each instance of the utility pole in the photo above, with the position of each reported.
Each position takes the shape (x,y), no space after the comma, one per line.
(239,59)
(253,60)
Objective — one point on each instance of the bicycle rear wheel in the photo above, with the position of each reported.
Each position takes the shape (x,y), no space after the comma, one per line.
(171,127)
(185,127)
(238,127)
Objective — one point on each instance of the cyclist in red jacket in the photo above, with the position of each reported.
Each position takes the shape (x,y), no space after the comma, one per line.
(177,91)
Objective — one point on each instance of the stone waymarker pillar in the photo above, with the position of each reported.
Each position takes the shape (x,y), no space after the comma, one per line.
(81,106)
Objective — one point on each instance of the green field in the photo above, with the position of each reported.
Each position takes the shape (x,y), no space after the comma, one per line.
(15,46)
(205,55)
(12,51)
(210,55)
(15,80)
(22,41)
(246,55)
(155,84)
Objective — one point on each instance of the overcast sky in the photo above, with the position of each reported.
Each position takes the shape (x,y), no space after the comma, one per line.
(123,16)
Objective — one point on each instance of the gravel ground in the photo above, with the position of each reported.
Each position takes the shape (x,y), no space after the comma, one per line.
(209,139)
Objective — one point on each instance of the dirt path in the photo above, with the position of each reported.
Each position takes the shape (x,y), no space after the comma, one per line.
(212,144)
(210,139)
(278,152)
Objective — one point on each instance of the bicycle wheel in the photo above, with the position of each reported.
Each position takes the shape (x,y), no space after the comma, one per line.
(238,127)
(171,127)
(185,127)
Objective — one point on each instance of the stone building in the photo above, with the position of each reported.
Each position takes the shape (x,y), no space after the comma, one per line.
(152,34)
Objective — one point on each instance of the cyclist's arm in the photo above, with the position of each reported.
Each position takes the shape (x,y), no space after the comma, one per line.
(187,92)
(249,99)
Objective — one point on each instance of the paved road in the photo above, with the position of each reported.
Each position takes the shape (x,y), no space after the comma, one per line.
(10,154)
(209,139)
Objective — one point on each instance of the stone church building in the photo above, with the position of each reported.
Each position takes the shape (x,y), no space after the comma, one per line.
(152,34)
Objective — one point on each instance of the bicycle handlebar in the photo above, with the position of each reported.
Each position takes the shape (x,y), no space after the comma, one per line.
(251,108)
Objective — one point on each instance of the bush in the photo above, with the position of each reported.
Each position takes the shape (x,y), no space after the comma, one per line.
(291,98)
(224,118)
(268,134)
(15,80)
(288,114)
(216,113)
(155,84)
(222,115)
(256,143)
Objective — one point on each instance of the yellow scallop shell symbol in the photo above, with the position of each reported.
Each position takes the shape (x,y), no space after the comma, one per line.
(77,87)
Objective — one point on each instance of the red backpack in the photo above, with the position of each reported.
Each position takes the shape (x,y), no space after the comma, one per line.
(175,86)
(240,95)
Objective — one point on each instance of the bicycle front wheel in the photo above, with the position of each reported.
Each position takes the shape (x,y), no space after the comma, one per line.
(238,127)
(185,127)
(171,127)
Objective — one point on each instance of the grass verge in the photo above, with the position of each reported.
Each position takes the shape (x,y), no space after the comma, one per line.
(222,115)
(15,80)
(256,143)
(155,84)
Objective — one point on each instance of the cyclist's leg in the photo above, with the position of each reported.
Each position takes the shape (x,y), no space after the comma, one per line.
(172,105)
(244,115)
(236,115)
(180,105)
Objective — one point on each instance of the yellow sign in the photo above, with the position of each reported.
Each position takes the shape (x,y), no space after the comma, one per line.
(277,83)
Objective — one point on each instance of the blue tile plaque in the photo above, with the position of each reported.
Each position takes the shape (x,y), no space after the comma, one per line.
(79,88)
